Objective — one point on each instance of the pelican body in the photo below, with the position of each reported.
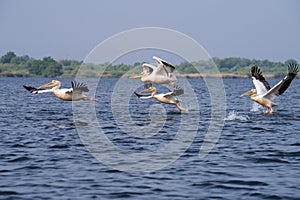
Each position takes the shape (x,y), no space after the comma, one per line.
(71,94)
(160,74)
(264,94)
(167,98)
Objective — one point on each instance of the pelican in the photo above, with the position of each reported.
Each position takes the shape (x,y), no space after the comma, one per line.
(71,94)
(168,98)
(264,94)
(160,74)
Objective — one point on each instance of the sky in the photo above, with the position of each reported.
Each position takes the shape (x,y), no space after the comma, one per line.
(66,29)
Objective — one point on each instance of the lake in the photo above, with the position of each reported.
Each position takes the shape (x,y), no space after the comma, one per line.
(44,153)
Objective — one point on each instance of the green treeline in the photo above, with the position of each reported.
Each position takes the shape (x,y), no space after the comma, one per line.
(12,65)
(23,66)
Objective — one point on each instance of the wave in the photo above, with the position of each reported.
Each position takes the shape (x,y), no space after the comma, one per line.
(233,115)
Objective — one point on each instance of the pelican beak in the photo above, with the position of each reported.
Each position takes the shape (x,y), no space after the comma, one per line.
(247,94)
(147,90)
(47,85)
(138,76)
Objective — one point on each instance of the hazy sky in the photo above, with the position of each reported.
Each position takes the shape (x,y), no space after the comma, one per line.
(261,29)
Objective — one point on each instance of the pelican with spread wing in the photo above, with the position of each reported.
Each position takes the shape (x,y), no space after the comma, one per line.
(71,94)
(167,98)
(263,93)
(160,74)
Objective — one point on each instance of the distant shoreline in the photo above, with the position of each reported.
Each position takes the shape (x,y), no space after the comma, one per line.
(12,65)
(193,75)
(222,75)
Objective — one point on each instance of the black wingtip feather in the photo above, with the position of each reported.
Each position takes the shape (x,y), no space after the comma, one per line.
(79,86)
(138,95)
(293,68)
(30,89)
(255,72)
(168,64)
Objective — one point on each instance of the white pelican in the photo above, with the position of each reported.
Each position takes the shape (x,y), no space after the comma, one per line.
(168,98)
(71,94)
(263,94)
(160,74)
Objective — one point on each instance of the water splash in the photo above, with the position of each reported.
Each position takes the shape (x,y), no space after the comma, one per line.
(233,115)
(255,107)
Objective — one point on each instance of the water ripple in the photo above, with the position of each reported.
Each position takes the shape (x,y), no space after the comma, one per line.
(42,156)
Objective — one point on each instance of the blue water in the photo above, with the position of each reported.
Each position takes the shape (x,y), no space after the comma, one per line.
(42,156)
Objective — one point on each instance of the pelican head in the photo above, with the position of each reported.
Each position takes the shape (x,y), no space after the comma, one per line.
(150,89)
(249,93)
(53,83)
(142,74)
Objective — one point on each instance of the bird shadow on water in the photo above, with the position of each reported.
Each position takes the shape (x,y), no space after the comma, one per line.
(53,119)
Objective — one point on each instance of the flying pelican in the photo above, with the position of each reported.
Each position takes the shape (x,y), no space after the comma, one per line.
(160,74)
(71,94)
(264,94)
(168,98)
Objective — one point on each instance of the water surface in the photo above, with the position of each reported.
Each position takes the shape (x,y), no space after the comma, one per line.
(42,157)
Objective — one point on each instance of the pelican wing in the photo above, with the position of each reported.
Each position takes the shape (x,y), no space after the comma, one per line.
(165,70)
(36,90)
(163,67)
(259,81)
(282,86)
(148,69)
(31,89)
(77,88)
(142,96)
(176,92)
(167,66)
(171,96)
(80,86)
(170,68)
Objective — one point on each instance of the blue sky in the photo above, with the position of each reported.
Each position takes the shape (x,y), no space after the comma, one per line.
(260,29)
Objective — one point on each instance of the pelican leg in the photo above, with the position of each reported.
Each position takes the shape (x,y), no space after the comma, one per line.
(94,99)
(267,111)
(173,85)
(179,107)
(90,99)
(147,85)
